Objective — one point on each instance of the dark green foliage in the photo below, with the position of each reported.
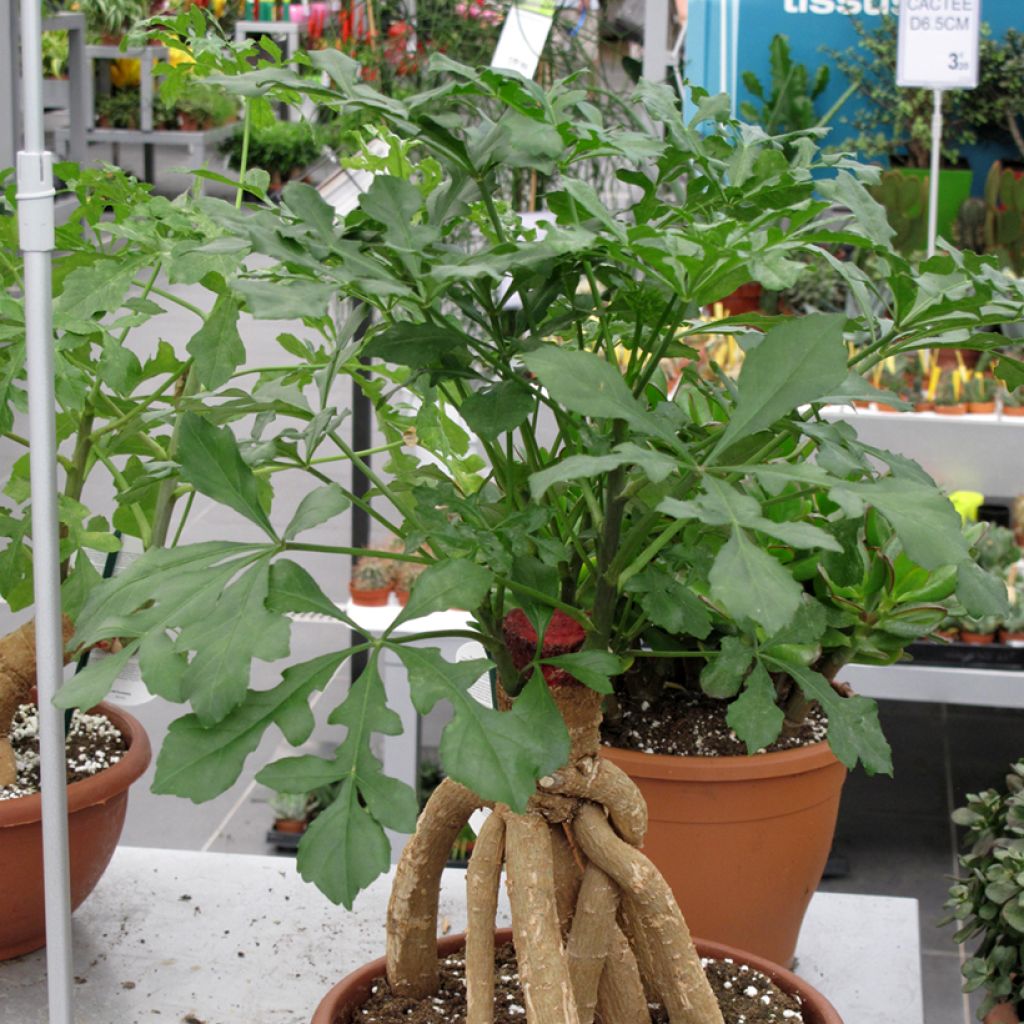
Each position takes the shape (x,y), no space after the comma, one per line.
(280,148)
(987,900)
(969,226)
(1004,215)
(905,198)
(789,106)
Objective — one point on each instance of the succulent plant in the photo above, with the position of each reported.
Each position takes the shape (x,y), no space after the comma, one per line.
(905,198)
(980,387)
(984,626)
(949,389)
(1004,215)
(371,574)
(969,226)
(996,550)
(1013,621)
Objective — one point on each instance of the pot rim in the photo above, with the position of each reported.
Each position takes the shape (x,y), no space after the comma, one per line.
(784,978)
(731,768)
(109,783)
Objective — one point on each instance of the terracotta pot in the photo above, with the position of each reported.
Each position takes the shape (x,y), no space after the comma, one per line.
(402,596)
(886,407)
(96,809)
(756,832)
(1004,1013)
(976,638)
(746,299)
(1013,410)
(341,1003)
(959,409)
(1006,637)
(981,408)
(859,403)
(370,598)
(924,407)
(293,826)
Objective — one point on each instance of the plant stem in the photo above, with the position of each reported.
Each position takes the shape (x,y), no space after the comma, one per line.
(243,163)
(166,497)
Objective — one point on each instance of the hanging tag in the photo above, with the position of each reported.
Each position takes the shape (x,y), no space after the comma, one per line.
(128,690)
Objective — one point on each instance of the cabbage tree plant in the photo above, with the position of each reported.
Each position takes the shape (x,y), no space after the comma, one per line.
(604,518)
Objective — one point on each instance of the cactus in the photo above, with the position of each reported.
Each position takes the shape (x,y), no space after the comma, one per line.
(905,198)
(1004,215)
(969,226)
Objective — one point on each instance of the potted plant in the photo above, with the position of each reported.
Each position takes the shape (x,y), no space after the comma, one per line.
(981,393)
(695,529)
(118,407)
(111,19)
(949,394)
(371,582)
(978,629)
(987,901)
(1012,629)
(290,811)
(202,106)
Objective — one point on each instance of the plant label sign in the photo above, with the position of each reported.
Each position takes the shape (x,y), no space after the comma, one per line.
(938,44)
(523,36)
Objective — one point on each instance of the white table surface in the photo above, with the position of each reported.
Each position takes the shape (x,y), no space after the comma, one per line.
(176,936)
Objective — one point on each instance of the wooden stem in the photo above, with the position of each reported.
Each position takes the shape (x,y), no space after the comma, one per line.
(620,996)
(589,940)
(677,974)
(412,909)
(483,879)
(568,874)
(543,970)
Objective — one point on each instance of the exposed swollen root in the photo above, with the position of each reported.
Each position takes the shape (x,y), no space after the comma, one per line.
(17,677)
(412,909)
(483,879)
(621,998)
(590,939)
(543,968)
(595,926)
(648,905)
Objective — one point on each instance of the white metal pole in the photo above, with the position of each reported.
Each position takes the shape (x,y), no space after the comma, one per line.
(933,180)
(36,238)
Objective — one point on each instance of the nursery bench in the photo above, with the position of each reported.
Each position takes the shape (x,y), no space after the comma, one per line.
(176,936)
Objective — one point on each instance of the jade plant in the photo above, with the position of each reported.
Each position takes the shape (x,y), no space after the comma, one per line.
(602,523)
(987,901)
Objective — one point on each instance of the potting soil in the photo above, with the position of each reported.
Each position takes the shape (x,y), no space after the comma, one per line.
(683,723)
(93,743)
(746,996)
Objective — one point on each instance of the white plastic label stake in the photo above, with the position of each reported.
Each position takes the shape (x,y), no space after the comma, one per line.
(938,44)
(523,36)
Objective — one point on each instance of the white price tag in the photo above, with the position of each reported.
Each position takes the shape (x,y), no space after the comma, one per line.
(938,44)
(523,36)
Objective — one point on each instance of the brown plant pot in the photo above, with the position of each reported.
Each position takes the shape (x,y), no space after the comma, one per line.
(976,638)
(402,596)
(981,408)
(370,598)
(1013,410)
(1004,1013)
(885,407)
(293,826)
(746,299)
(339,1006)
(756,832)
(1006,637)
(96,809)
(859,403)
(924,407)
(959,409)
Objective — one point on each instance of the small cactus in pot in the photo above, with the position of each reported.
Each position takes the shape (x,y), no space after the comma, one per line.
(371,581)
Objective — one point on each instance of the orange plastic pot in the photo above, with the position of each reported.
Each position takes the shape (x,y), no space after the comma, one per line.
(742,841)
(96,810)
(340,1005)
